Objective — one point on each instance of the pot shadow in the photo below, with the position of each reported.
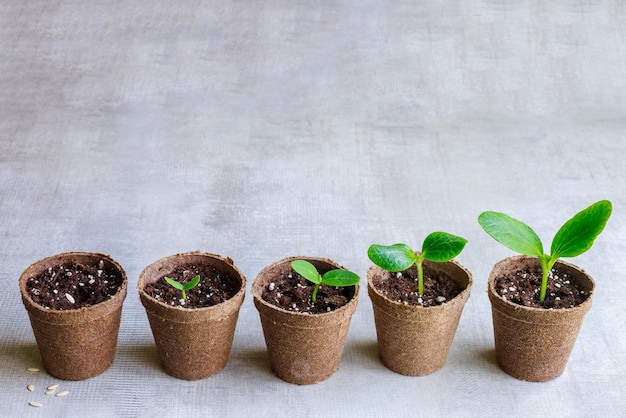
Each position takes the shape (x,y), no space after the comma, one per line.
(25,355)
(367,353)
(489,356)
(256,361)
(143,355)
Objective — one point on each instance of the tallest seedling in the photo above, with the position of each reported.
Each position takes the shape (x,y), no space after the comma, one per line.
(574,238)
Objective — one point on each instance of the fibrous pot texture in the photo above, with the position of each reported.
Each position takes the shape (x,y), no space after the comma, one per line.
(76,344)
(192,343)
(303,348)
(534,344)
(415,340)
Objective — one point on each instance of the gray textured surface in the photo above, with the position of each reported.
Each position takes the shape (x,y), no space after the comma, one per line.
(266,129)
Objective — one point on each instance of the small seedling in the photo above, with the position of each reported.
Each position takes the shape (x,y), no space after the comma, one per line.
(574,238)
(438,246)
(336,278)
(182,287)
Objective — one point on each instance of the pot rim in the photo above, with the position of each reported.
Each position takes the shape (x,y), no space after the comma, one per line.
(258,299)
(460,298)
(44,313)
(512,308)
(162,306)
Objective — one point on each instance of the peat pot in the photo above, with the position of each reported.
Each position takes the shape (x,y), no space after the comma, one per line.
(193,343)
(414,340)
(534,344)
(302,348)
(76,344)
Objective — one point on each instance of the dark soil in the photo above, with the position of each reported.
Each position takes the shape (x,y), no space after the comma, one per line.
(86,285)
(402,287)
(292,292)
(214,287)
(523,287)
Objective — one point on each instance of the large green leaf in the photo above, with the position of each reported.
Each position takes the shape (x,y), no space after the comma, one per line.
(578,234)
(306,270)
(397,257)
(442,246)
(511,233)
(340,278)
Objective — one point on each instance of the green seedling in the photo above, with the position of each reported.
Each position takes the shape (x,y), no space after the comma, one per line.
(574,238)
(336,278)
(182,287)
(438,246)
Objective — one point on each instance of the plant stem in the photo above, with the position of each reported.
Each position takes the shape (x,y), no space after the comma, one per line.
(184,297)
(547,263)
(314,296)
(544,284)
(420,278)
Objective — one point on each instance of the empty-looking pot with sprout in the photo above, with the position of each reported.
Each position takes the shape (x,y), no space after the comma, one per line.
(192,301)
(305,305)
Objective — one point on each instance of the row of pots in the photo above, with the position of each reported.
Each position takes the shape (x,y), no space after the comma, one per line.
(531,344)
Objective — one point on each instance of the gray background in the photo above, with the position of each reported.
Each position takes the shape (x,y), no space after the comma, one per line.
(266,129)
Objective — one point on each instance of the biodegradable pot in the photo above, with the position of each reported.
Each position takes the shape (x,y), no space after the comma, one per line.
(534,344)
(415,340)
(302,348)
(192,343)
(80,343)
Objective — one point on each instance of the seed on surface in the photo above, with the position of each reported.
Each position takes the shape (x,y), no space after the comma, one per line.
(53,387)
(33,369)
(70,298)
(31,388)
(62,393)
(50,391)
(441,299)
(35,404)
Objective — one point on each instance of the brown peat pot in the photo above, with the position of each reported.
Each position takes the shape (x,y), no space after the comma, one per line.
(534,344)
(302,348)
(192,343)
(415,340)
(76,344)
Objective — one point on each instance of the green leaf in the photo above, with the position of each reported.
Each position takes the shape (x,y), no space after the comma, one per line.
(578,234)
(442,246)
(192,283)
(511,233)
(174,283)
(306,270)
(397,257)
(340,278)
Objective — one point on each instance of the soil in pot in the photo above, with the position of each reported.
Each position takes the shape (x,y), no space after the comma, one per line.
(74,285)
(290,291)
(533,339)
(521,286)
(214,287)
(304,340)
(193,336)
(74,301)
(415,333)
(402,287)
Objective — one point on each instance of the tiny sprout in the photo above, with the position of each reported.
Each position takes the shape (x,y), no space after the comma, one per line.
(438,246)
(575,237)
(337,278)
(182,287)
